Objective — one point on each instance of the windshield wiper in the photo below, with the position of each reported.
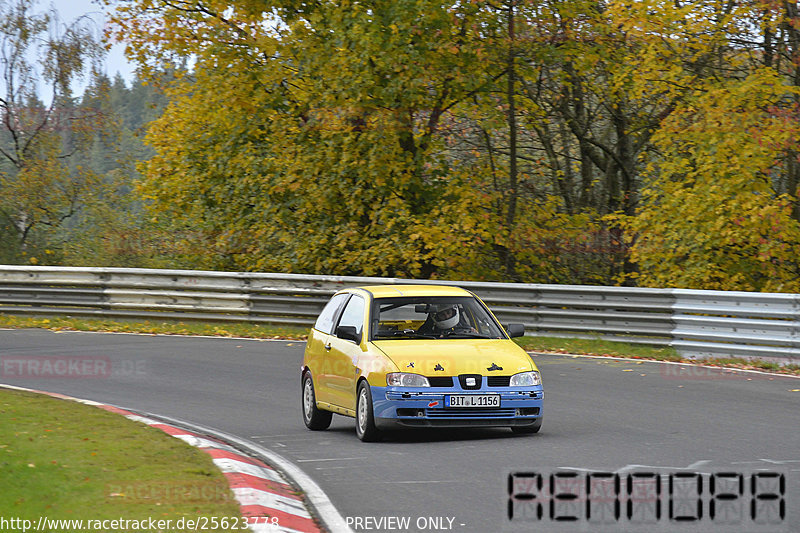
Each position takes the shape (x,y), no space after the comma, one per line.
(406,333)
(468,335)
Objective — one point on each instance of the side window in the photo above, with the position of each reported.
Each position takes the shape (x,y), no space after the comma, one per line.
(353,314)
(328,315)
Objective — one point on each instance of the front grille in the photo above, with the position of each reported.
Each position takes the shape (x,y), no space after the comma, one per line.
(463,380)
(498,381)
(470,413)
(440,381)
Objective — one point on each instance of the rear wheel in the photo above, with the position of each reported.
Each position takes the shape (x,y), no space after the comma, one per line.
(365,419)
(522,430)
(314,418)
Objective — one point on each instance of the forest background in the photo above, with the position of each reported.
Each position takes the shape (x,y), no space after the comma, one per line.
(580,142)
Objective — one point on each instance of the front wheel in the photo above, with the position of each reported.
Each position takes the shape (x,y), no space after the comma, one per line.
(365,419)
(528,429)
(313,417)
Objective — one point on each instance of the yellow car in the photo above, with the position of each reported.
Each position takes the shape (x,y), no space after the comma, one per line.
(417,356)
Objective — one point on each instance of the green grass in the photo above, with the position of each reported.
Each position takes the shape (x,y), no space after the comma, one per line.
(597,347)
(637,351)
(64,460)
(161,327)
(268,331)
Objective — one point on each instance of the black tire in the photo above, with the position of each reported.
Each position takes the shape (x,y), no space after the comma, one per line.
(527,430)
(365,419)
(313,417)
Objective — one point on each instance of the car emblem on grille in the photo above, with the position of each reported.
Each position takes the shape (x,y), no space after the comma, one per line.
(438,367)
(470,382)
(494,367)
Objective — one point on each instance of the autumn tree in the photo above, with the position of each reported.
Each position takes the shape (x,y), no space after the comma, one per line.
(776,46)
(307,138)
(716,213)
(40,127)
(495,139)
(557,140)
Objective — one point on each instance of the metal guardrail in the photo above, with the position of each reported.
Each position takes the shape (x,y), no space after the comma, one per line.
(697,323)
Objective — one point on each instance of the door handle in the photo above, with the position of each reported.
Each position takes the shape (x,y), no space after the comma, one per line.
(328,346)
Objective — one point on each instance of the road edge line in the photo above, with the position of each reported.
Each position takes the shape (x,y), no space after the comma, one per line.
(680,363)
(321,505)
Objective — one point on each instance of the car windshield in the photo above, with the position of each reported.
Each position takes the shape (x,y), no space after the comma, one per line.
(432,317)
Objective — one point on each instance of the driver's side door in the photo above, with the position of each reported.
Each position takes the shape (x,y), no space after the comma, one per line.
(343,355)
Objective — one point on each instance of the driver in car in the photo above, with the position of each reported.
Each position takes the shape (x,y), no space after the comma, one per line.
(445,320)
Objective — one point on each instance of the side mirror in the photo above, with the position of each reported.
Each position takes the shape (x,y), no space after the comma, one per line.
(348,333)
(515,330)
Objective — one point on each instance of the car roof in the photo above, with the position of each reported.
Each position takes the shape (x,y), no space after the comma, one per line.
(400,291)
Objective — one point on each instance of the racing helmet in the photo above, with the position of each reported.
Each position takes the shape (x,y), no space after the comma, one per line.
(446,316)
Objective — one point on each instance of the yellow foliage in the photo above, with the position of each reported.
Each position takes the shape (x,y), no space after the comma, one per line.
(711,218)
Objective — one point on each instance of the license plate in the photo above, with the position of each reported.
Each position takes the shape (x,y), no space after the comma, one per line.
(472,400)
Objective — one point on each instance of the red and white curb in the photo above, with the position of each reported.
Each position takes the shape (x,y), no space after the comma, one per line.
(265,496)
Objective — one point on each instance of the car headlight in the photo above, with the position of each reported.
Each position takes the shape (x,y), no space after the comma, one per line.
(525,379)
(401,379)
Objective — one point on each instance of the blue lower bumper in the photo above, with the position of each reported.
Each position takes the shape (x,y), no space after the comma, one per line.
(425,407)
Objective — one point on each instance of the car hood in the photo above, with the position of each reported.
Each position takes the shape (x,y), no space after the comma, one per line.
(451,357)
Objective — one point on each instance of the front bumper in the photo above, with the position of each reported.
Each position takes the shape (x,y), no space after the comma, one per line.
(425,407)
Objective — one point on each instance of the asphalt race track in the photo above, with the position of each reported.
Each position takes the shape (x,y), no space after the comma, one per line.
(622,417)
